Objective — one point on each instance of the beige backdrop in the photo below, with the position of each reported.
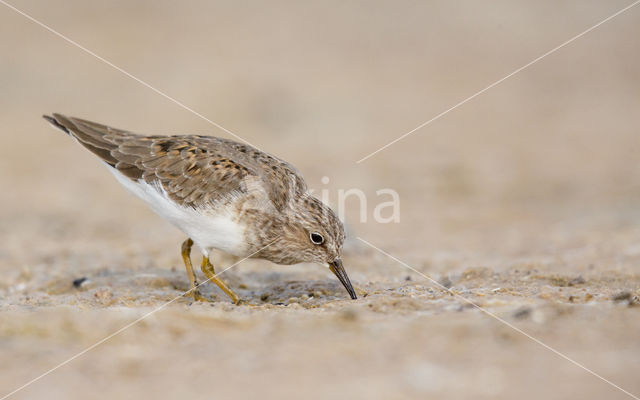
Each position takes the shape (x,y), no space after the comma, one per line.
(525,199)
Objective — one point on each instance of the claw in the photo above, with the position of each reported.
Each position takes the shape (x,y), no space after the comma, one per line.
(198,297)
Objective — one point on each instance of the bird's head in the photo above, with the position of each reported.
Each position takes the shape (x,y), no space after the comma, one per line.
(311,232)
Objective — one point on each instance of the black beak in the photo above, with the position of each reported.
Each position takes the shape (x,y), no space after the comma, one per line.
(337,268)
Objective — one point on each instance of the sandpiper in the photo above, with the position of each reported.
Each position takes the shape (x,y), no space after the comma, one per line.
(222,194)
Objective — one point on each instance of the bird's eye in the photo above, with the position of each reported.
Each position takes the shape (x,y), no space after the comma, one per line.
(316,238)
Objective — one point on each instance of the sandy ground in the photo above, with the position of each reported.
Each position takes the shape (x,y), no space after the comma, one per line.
(523,201)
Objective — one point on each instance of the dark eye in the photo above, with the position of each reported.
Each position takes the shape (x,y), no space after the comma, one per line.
(316,238)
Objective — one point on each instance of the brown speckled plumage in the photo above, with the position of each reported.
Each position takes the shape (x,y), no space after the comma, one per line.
(195,171)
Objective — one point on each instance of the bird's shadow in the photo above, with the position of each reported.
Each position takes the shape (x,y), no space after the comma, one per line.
(258,288)
(308,293)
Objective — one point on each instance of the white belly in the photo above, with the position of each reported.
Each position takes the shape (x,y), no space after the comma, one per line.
(212,231)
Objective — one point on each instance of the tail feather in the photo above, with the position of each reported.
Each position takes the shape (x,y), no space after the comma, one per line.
(94,137)
(55,123)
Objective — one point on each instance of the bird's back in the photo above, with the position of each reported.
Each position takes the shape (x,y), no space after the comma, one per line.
(194,171)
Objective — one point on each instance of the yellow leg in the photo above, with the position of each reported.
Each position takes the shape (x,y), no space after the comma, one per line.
(209,271)
(186,257)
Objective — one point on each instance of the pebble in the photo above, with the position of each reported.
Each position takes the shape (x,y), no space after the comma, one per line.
(622,296)
(578,280)
(77,283)
(522,313)
(446,282)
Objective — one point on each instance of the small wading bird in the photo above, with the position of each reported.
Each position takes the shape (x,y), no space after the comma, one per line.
(224,195)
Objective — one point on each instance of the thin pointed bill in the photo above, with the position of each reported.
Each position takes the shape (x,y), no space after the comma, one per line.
(337,268)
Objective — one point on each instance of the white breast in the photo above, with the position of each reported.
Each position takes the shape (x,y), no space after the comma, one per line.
(215,230)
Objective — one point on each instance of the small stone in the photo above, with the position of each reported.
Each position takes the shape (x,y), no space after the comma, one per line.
(522,313)
(446,282)
(622,296)
(578,280)
(77,283)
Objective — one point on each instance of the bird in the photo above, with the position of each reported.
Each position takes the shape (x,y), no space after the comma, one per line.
(224,195)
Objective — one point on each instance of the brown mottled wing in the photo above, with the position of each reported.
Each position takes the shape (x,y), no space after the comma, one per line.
(191,174)
(194,170)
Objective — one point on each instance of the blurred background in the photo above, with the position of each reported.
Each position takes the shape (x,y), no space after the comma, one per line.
(524,200)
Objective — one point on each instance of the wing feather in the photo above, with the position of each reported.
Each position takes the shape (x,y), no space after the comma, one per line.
(194,171)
